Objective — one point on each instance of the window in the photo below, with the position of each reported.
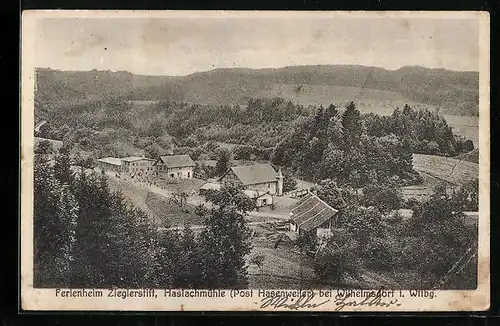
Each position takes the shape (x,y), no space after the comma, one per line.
(189,174)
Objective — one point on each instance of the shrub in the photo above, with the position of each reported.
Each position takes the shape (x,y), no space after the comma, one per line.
(337,261)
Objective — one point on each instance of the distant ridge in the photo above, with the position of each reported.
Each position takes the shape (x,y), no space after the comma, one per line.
(454,92)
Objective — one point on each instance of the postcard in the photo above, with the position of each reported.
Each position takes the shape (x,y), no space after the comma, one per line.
(333,161)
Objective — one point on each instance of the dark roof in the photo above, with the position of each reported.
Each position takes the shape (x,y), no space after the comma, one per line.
(177,161)
(311,212)
(254,174)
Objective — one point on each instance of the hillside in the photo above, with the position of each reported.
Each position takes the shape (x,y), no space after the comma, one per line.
(472,156)
(452,170)
(452,92)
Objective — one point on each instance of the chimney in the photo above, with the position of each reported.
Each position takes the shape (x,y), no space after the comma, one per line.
(279,188)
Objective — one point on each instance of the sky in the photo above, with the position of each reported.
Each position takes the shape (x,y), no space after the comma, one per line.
(180,46)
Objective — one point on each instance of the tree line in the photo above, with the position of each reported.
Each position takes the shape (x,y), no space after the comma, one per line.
(326,140)
(357,150)
(85,235)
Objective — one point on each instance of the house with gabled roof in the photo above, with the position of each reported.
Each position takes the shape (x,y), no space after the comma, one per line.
(113,164)
(174,167)
(259,177)
(313,216)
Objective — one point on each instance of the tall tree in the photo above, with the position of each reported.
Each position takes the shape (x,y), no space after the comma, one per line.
(289,182)
(223,159)
(62,165)
(188,263)
(116,244)
(225,241)
(55,214)
(352,124)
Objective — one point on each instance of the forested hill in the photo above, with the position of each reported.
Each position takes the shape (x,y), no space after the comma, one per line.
(453,92)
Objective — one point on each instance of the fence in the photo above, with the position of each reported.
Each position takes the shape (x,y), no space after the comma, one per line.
(297,193)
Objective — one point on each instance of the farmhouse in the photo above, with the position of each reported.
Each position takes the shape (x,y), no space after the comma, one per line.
(112,164)
(174,167)
(136,167)
(260,177)
(313,216)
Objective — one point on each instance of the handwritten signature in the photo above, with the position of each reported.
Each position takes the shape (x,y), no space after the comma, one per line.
(340,303)
(290,303)
(343,302)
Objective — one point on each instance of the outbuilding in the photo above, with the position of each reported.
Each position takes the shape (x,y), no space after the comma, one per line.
(313,216)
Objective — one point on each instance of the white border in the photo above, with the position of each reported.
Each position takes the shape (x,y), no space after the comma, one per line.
(44,299)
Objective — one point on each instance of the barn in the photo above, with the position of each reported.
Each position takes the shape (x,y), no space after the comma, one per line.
(260,177)
(313,216)
(174,167)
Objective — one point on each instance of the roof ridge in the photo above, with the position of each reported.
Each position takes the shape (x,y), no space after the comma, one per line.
(321,200)
(252,165)
(174,155)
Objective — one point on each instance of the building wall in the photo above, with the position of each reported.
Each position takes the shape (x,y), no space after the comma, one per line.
(264,200)
(266,186)
(140,170)
(231,179)
(109,167)
(321,230)
(164,172)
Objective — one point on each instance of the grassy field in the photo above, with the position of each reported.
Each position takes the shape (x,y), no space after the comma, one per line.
(189,186)
(134,194)
(423,191)
(445,168)
(284,267)
(472,156)
(324,94)
(436,170)
(171,214)
(160,208)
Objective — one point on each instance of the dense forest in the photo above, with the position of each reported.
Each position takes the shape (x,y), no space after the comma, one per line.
(451,91)
(313,142)
(360,150)
(88,236)
(415,252)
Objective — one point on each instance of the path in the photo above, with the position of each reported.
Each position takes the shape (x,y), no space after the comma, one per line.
(199,227)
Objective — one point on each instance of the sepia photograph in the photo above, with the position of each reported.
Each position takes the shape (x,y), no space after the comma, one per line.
(202,160)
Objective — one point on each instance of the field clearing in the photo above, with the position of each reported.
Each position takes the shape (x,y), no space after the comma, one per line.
(190,186)
(445,168)
(283,268)
(134,194)
(472,156)
(308,94)
(169,213)
(157,206)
